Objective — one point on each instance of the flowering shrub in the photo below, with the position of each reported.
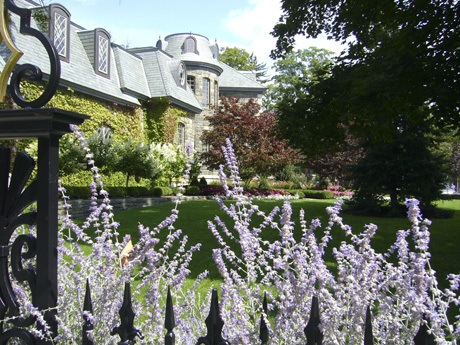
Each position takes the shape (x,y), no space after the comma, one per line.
(399,285)
(153,265)
(340,192)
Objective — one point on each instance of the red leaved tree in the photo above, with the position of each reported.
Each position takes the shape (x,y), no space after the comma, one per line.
(254,136)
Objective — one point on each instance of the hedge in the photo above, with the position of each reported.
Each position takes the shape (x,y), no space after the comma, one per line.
(162,191)
(311,194)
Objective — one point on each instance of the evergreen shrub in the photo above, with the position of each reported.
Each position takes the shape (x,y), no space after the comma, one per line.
(192,190)
(162,191)
(203,182)
(318,194)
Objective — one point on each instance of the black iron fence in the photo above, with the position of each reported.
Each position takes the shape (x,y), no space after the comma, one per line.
(215,324)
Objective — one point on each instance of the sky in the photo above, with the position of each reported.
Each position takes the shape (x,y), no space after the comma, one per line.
(233,23)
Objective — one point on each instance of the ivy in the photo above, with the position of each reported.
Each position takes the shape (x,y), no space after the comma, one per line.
(124,121)
(161,119)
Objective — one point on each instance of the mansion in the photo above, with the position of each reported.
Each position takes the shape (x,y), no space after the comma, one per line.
(182,68)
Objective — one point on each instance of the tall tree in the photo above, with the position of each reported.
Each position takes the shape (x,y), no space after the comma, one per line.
(254,138)
(415,42)
(295,74)
(399,76)
(242,60)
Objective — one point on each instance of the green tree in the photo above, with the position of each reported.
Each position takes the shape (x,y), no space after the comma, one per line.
(294,73)
(242,60)
(409,47)
(172,161)
(399,76)
(136,159)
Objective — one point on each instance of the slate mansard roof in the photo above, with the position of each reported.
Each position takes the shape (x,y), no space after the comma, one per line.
(134,74)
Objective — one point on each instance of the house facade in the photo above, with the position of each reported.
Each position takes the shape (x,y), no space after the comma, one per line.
(182,68)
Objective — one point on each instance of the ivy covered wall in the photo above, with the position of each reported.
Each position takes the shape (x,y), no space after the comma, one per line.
(124,121)
(161,119)
(153,122)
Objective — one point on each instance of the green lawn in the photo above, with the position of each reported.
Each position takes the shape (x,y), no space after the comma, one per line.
(193,217)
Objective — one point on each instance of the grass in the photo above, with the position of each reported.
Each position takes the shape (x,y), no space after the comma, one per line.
(193,217)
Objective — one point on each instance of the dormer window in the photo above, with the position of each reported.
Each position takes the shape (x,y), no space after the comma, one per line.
(189,45)
(60,30)
(102,53)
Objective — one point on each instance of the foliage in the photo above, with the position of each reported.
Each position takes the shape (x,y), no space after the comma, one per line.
(136,159)
(106,275)
(70,155)
(415,42)
(124,121)
(294,73)
(171,160)
(329,150)
(241,60)
(396,76)
(399,285)
(255,137)
(192,190)
(203,182)
(104,151)
(162,191)
(415,173)
(161,119)
(296,270)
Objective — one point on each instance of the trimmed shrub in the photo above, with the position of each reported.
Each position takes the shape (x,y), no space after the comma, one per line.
(162,191)
(318,194)
(133,191)
(192,190)
(299,192)
(78,192)
(195,182)
(203,182)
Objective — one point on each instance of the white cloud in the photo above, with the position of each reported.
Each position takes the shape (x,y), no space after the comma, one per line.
(252,26)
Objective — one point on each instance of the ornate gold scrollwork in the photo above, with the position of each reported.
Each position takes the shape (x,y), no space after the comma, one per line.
(29,71)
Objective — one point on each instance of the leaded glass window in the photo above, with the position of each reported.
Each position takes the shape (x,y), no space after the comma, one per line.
(103,56)
(181,134)
(206,90)
(102,52)
(60,33)
(60,30)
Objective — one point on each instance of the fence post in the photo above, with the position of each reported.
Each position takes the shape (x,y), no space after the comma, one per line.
(368,335)
(312,331)
(214,324)
(264,334)
(126,330)
(170,321)
(87,329)
(423,337)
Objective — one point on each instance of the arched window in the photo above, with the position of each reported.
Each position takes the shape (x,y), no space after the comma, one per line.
(180,135)
(189,45)
(60,30)
(102,52)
